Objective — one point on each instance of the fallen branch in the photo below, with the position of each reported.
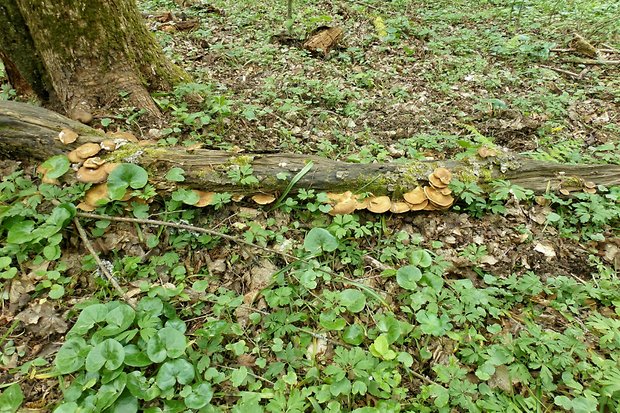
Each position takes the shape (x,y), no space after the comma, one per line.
(28,132)
(102,268)
(591,61)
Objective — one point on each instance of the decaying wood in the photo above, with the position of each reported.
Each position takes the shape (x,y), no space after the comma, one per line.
(323,39)
(31,132)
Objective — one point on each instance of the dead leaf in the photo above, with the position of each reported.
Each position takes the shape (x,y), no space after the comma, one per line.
(42,319)
(545,248)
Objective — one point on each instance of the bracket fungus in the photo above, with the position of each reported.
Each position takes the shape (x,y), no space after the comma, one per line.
(344,203)
(82,152)
(263,199)
(379,204)
(67,136)
(205,198)
(90,175)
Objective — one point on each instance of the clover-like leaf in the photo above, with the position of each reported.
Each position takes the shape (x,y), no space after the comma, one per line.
(174,371)
(320,240)
(353,334)
(408,276)
(70,358)
(55,167)
(168,342)
(109,354)
(353,300)
(175,174)
(124,176)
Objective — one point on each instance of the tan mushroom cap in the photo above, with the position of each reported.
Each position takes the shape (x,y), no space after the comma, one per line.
(444,175)
(379,204)
(345,206)
(337,197)
(436,182)
(94,162)
(416,196)
(419,207)
(108,144)
(437,198)
(344,203)
(205,198)
(589,184)
(486,152)
(399,207)
(237,198)
(74,157)
(445,191)
(589,190)
(92,176)
(67,136)
(87,150)
(109,167)
(263,199)
(97,195)
(128,136)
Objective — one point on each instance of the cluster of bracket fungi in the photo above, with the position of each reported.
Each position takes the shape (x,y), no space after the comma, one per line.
(90,167)
(432,197)
(93,169)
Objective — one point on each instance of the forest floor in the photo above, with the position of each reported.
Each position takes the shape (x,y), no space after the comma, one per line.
(509,301)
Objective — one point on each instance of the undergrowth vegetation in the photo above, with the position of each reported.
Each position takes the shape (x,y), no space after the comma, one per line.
(510,302)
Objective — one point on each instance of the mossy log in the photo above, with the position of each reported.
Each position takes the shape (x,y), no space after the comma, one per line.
(30,132)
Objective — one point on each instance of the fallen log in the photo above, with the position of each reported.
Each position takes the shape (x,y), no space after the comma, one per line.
(30,132)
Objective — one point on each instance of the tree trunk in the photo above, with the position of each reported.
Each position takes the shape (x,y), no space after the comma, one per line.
(88,54)
(31,132)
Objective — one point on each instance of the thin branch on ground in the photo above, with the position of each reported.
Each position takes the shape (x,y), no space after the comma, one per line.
(104,270)
(566,72)
(186,227)
(593,62)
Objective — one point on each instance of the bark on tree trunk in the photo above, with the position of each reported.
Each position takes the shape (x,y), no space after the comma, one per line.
(85,52)
(31,132)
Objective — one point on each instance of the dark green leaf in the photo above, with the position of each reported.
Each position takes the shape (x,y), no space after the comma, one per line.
(124,176)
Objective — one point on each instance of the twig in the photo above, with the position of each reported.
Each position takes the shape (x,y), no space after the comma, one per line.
(593,62)
(186,227)
(102,267)
(566,72)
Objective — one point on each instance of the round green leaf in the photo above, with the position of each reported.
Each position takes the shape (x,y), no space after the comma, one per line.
(353,300)
(174,371)
(124,176)
(134,357)
(89,316)
(168,342)
(421,258)
(11,398)
(69,357)
(353,334)
(56,166)
(56,291)
(200,396)
(408,276)
(175,175)
(109,354)
(320,240)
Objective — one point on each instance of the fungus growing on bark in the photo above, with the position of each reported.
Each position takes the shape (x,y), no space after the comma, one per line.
(91,176)
(263,199)
(437,198)
(67,136)
(94,162)
(399,207)
(205,198)
(379,204)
